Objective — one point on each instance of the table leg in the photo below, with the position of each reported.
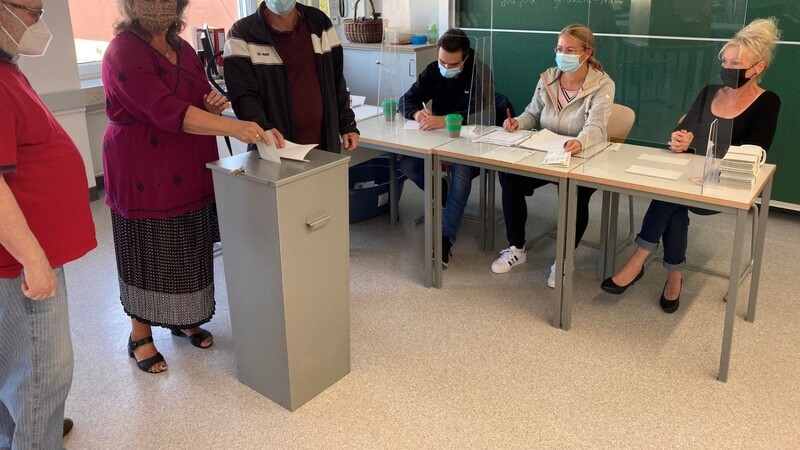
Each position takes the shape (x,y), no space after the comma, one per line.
(393,188)
(565,252)
(491,175)
(733,286)
(758,255)
(482,218)
(611,241)
(433,219)
(602,248)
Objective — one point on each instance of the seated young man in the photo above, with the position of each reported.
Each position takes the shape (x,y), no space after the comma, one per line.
(449,84)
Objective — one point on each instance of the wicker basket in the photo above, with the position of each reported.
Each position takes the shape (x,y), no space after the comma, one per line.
(363,30)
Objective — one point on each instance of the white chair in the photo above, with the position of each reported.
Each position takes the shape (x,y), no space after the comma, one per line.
(619,126)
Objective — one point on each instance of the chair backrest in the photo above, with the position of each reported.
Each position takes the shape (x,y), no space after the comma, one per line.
(620,123)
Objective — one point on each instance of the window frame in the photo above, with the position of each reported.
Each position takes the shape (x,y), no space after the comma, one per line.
(92,70)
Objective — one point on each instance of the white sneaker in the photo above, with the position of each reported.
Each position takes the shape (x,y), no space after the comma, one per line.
(508,259)
(551,280)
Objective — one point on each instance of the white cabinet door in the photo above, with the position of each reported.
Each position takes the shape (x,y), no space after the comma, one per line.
(361,73)
(375,75)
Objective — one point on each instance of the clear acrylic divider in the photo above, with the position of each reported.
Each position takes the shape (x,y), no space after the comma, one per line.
(480,116)
(390,89)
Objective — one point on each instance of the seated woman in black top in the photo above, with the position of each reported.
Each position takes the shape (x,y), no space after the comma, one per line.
(745,114)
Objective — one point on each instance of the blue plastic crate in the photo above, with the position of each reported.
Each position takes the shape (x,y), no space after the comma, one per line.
(369,188)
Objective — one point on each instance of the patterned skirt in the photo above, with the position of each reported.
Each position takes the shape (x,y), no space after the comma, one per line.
(166,267)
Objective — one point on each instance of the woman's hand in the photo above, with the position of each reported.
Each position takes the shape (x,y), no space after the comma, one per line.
(252,133)
(573,146)
(680,140)
(510,125)
(215,103)
(350,141)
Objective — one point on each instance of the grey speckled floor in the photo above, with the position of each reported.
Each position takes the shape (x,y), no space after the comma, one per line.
(475,364)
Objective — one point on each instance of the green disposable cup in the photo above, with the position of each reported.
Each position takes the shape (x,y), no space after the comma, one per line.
(453,124)
(389,110)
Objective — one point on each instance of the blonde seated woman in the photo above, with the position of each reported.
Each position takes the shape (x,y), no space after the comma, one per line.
(745,114)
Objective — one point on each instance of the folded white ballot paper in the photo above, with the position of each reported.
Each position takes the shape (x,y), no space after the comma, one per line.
(556,157)
(296,152)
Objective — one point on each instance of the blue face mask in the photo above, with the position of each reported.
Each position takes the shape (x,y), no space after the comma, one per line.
(450,73)
(568,63)
(281,7)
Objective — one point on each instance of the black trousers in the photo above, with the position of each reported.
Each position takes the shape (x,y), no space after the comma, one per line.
(515,209)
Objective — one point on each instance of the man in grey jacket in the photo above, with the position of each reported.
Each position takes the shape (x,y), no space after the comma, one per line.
(284,71)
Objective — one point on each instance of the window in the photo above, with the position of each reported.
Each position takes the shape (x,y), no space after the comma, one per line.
(93,25)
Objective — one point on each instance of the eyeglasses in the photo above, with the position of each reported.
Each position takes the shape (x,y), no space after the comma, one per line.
(569,50)
(37,13)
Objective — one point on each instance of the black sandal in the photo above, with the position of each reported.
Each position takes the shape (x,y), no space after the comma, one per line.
(148,363)
(196,339)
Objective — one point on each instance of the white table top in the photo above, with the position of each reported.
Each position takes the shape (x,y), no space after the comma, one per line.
(391,134)
(609,168)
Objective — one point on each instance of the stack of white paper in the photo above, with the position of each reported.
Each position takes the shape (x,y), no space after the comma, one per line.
(503,137)
(740,165)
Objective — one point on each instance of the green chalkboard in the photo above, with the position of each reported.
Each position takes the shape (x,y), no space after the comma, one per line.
(659,53)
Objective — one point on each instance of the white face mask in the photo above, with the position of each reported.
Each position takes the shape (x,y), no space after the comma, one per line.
(34,40)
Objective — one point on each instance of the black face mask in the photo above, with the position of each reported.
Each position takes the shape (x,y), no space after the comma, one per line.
(734,78)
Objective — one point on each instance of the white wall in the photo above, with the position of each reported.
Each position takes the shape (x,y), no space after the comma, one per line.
(57,71)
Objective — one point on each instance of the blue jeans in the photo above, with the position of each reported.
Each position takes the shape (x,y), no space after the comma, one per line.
(457,196)
(668,222)
(35,366)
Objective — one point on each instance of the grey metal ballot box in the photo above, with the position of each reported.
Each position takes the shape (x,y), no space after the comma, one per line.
(285,241)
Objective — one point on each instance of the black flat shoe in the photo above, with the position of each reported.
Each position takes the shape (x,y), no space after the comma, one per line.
(609,286)
(670,306)
(146,364)
(67,426)
(196,339)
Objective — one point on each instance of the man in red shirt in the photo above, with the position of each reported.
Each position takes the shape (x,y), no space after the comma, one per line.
(45,222)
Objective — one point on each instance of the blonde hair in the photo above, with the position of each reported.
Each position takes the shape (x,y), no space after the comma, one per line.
(758,38)
(583,34)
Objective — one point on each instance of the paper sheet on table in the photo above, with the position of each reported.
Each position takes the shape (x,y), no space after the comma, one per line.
(364,112)
(508,154)
(411,125)
(664,159)
(503,137)
(653,172)
(557,157)
(545,140)
(475,131)
(357,100)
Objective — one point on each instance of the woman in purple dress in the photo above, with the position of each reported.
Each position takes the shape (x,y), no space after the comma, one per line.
(162,121)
